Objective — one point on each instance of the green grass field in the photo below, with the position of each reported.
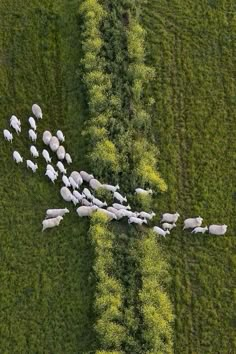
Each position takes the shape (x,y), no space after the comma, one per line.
(45,293)
(192,47)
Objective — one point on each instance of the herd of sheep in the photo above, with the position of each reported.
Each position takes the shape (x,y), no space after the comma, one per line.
(71,189)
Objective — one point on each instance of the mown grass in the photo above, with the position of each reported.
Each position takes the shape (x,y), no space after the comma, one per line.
(192,47)
(45,293)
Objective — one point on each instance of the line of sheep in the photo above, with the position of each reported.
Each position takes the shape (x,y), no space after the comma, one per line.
(90,204)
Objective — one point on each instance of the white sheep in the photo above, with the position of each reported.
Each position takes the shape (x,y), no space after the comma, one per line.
(77,178)
(86,176)
(87,193)
(17,157)
(32,135)
(85,202)
(7,135)
(60,136)
(66,181)
(34,151)
(53,213)
(98,202)
(73,184)
(136,220)
(121,206)
(16,126)
(78,196)
(54,143)
(46,155)
(31,165)
(111,188)
(160,231)
(143,191)
(171,218)
(217,229)
(49,223)
(68,158)
(119,197)
(32,123)
(61,152)
(109,214)
(47,136)
(145,215)
(191,223)
(86,210)
(119,213)
(129,213)
(37,111)
(51,168)
(95,184)
(16,120)
(167,226)
(67,195)
(201,230)
(61,167)
(50,175)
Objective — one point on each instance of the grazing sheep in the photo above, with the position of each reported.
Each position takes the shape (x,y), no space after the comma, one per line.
(73,184)
(32,123)
(119,197)
(49,223)
(51,175)
(171,218)
(217,229)
(7,135)
(53,213)
(16,126)
(67,195)
(87,193)
(66,181)
(60,136)
(119,213)
(86,177)
(32,135)
(78,196)
(34,151)
(145,215)
(17,157)
(68,158)
(77,178)
(121,206)
(99,203)
(47,136)
(54,143)
(85,202)
(143,191)
(46,156)
(136,220)
(110,215)
(37,111)
(95,184)
(51,168)
(31,165)
(129,213)
(199,230)
(61,152)
(191,223)
(16,120)
(160,231)
(86,210)
(167,226)
(111,188)
(61,167)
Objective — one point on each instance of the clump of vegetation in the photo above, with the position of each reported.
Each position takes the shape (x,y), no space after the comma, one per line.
(109,293)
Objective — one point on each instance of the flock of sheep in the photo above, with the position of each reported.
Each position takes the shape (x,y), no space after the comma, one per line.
(88,203)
